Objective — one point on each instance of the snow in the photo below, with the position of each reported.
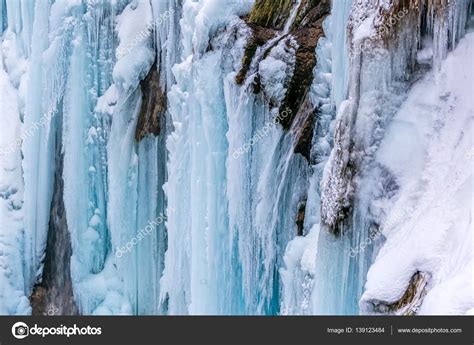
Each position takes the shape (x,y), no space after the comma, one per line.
(277,69)
(211,15)
(298,273)
(14,61)
(101,293)
(71,71)
(106,103)
(13,294)
(134,52)
(365,29)
(426,53)
(425,150)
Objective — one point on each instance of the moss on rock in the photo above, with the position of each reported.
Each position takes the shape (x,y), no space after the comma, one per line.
(270,13)
(307,37)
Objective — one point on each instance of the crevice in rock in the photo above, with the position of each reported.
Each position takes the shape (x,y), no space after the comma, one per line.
(300,218)
(307,35)
(54,294)
(303,128)
(259,37)
(151,117)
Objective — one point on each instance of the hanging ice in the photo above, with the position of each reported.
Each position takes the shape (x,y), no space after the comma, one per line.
(235,157)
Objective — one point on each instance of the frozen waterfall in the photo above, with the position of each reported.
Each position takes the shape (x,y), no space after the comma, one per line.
(235,157)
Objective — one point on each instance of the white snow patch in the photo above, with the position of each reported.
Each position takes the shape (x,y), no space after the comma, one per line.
(13,297)
(134,53)
(425,148)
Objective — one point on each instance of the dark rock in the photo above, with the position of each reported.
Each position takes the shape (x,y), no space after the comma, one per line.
(300,218)
(266,18)
(259,37)
(271,13)
(411,300)
(304,127)
(307,36)
(53,294)
(153,105)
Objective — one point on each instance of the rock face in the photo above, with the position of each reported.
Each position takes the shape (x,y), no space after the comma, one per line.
(307,34)
(54,294)
(151,117)
(409,302)
(300,218)
(412,298)
(383,62)
(270,13)
(260,35)
(266,21)
(303,128)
